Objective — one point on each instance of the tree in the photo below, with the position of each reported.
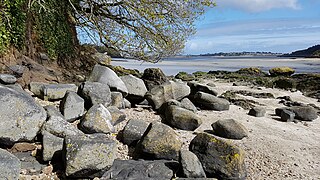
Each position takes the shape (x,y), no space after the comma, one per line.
(143,29)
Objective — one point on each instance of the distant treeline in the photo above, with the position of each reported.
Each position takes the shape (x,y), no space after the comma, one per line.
(312,52)
(244,53)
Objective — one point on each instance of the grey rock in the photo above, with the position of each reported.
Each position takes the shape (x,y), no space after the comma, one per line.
(56,91)
(153,77)
(117,99)
(72,106)
(36,88)
(21,117)
(106,76)
(182,118)
(9,165)
(29,163)
(17,70)
(95,93)
(257,111)
(229,128)
(211,102)
(304,113)
(278,111)
(7,79)
(220,159)
(44,56)
(117,115)
(131,169)
(102,58)
(198,87)
(51,146)
(187,104)
(159,142)
(57,125)
(97,120)
(287,116)
(136,88)
(133,131)
(126,103)
(88,154)
(171,90)
(191,166)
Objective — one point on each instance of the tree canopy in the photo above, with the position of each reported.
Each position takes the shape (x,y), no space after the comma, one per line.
(143,29)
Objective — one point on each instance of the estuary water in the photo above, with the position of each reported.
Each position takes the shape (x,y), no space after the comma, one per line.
(190,64)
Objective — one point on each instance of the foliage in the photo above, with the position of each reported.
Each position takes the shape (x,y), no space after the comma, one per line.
(144,29)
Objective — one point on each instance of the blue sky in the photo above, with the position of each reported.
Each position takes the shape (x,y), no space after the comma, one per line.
(257,25)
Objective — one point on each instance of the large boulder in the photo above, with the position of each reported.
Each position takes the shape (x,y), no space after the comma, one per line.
(107,76)
(196,87)
(10,165)
(182,118)
(95,93)
(72,106)
(257,111)
(153,77)
(88,155)
(57,125)
(51,146)
(281,71)
(7,79)
(136,88)
(131,169)
(116,115)
(163,93)
(187,104)
(117,99)
(191,166)
(97,120)
(208,101)
(56,91)
(220,159)
(159,142)
(36,88)
(229,128)
(304,113)
(21,118)
(133,131)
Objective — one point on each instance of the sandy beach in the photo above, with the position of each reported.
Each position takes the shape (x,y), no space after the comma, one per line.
(193,64)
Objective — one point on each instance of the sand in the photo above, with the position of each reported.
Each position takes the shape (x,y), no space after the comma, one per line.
(274,149)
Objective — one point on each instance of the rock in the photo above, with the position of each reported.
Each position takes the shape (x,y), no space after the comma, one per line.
(97,120)
(182,118)
(287,116)
(220,159)
(88,155)
(159,142)
(133,131)
(187,104)
(106,76)
(196,87)
(153,77)
(95,93)
(211,102)
(185,76)
(7,79)
(161,94)
(257,111)
(284,83)
(251,71)
(278,111)
(304,113)
(126,103)
(191,166)
(121,71)
(36,88)
(23,147)
(136,88)
(102,58)
(131,169)
(229,128)
(29,163)
(18,70)
(10,165)
(56,91)
(117,115)
(116,99)
(72,106)
(43,57)
(21,117)
(57,125)
(281,71)
(51,146)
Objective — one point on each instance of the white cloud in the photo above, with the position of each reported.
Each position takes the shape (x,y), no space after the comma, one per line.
(258,5)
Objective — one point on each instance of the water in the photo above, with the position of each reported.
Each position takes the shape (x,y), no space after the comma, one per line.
(172,66)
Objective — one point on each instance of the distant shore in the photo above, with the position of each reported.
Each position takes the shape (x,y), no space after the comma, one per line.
(172,66)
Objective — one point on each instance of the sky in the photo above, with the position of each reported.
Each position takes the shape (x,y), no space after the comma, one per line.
(257,25)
